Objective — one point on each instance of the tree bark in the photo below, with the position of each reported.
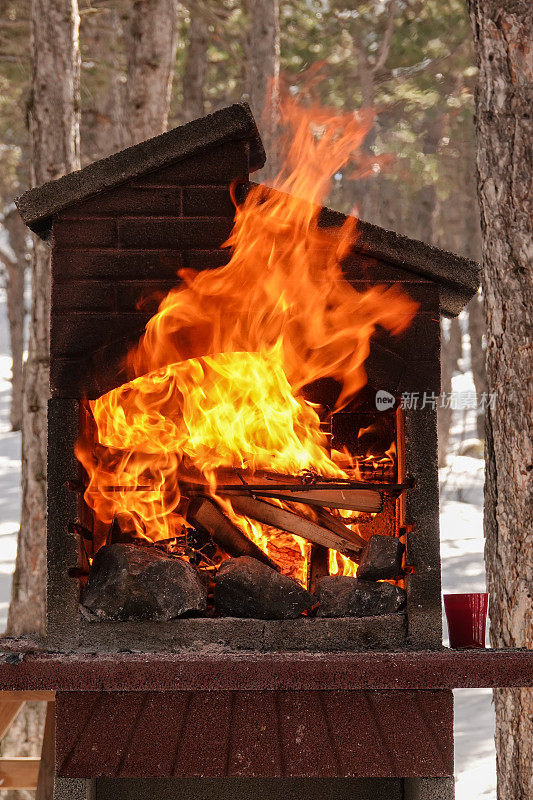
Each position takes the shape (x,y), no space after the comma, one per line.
(103,123)
(16,313)
(54,133)
(15,273)
(195,65)
(503,32)
(152,55)
(263,62)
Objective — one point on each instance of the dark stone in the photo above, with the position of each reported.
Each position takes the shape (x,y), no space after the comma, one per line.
(423,584)
(244,587)
(342,596)
(129,582)
(303,634)
(381,559)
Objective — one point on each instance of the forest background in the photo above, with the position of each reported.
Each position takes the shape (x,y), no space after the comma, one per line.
(147,65)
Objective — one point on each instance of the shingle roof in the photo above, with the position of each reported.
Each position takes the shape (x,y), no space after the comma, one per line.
(37,206)
(458,278)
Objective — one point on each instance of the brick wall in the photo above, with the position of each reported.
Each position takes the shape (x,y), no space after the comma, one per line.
(116,255)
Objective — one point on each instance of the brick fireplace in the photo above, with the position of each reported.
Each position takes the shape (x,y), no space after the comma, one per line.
(120,230)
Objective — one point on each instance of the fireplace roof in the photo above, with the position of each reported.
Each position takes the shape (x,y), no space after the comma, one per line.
(38,206)
(458,278)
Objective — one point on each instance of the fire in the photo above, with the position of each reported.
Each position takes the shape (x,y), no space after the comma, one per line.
(218,376)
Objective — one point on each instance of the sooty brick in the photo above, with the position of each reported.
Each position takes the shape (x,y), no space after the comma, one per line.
(206,259)
(69,234)
(128,201)
(204,201)
(189,232)
(115,264)
(80,333)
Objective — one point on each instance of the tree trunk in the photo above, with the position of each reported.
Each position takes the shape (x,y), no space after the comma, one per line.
(15,273)
(152,55)
(103,123)
(263,61)
(54,132)
(195,65)
(503,33)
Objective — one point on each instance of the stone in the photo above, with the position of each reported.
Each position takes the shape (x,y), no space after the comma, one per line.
(342,596)
(381,559)
(246,588)
(132,582)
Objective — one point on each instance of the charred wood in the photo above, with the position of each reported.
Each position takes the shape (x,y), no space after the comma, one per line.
(206,513)
(276,517)
(318,566)
(334,524)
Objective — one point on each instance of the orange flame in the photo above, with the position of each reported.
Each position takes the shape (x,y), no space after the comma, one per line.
(221,367)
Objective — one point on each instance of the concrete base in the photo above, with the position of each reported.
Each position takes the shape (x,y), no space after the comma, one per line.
(387,632)
(255,789)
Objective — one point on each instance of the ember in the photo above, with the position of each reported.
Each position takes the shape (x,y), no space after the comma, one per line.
(219,380)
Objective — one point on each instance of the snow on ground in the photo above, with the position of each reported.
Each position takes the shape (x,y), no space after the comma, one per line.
(462,542)
(9,473)
(461,550)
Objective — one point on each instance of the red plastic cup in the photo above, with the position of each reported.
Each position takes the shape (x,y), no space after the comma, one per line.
(467,618)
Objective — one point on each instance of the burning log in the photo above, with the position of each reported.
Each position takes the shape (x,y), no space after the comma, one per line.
(309,488)
(334,524)
(206,513)
(337,497)
(284,520)
(318,566)
(377,470)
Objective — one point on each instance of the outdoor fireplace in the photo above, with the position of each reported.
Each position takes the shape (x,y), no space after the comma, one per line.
(154,547)
(200,400)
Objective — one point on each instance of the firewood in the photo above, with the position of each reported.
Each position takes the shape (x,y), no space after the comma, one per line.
(345,497)
(205,512)
(327,520)
(284,520)
(318,566)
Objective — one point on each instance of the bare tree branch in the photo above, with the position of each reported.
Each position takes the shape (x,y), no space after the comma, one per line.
(384,48)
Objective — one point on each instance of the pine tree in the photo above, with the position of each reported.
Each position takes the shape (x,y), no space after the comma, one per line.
(503,33)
